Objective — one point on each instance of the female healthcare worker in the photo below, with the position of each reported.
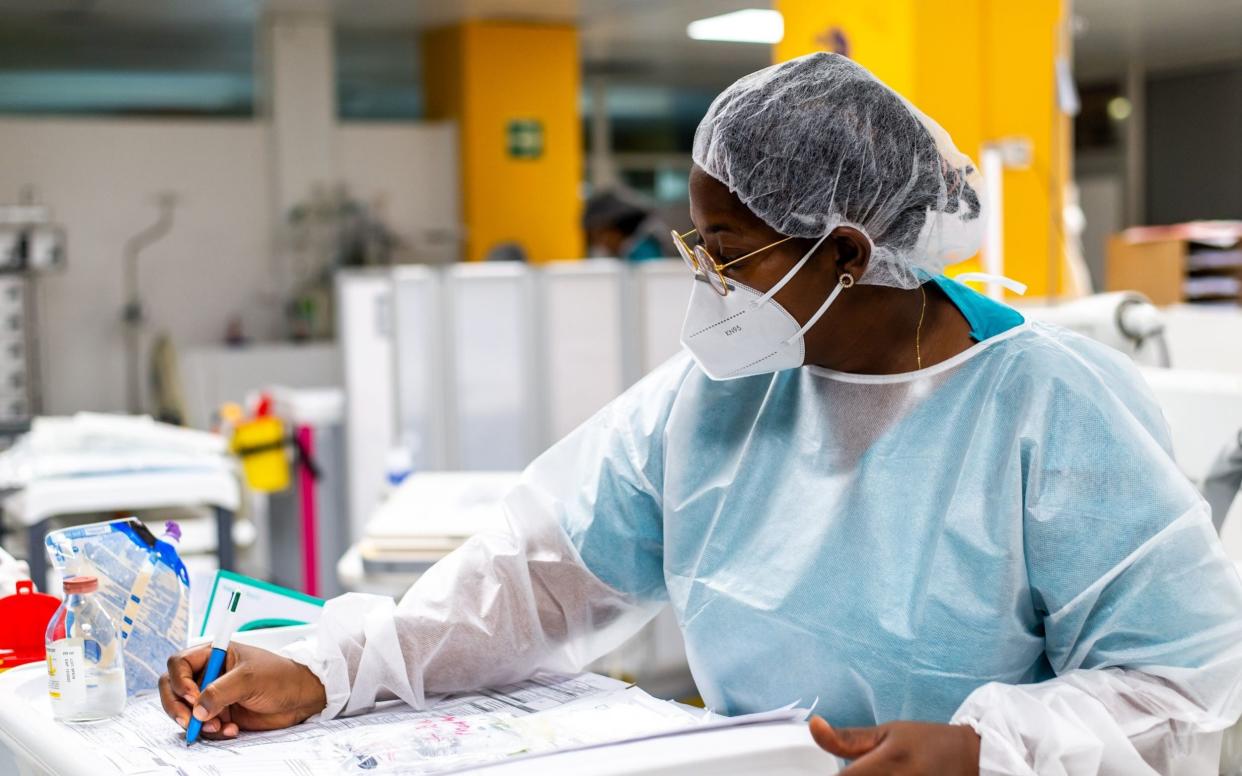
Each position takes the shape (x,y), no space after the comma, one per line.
(862,483)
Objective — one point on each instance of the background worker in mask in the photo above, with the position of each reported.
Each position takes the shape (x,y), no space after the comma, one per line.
(617,227)
(862,483)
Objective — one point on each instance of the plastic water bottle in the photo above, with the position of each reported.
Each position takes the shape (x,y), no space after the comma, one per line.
(85,664)
(398,465)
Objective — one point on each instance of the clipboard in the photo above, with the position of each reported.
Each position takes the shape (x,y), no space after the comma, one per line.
(263,605)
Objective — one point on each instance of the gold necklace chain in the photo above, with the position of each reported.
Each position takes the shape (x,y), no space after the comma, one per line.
(918,333)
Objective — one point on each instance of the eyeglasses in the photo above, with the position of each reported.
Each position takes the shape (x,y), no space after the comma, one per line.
(699,260)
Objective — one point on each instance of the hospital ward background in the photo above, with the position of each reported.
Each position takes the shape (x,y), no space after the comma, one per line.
(292,292)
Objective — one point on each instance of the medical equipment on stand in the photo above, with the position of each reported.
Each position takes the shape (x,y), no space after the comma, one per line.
(281,444)
(291,445)
(1124,320)
(311,514)
(31,243)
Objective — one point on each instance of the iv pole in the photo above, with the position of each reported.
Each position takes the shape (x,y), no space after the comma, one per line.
(133,314)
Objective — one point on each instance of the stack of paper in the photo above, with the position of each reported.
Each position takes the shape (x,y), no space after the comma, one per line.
(429,516)
(545,714)
(92,444)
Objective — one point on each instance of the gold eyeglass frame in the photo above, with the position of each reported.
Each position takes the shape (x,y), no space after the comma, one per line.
(699,259)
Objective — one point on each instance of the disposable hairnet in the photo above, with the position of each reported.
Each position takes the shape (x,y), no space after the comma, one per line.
(818,142)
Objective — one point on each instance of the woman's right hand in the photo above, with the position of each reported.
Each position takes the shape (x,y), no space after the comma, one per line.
(259,690)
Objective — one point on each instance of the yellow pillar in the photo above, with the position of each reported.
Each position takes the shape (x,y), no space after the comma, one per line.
(984,70)
(513,90)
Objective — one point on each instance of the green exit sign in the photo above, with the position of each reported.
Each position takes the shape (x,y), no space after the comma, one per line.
(524,138)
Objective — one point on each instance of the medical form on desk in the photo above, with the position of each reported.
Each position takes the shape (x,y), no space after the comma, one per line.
(548,713)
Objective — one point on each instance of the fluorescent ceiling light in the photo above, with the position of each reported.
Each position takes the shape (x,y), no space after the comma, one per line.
(751,25)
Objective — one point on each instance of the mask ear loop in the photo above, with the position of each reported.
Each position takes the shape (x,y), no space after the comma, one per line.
(845,281)
(789,275)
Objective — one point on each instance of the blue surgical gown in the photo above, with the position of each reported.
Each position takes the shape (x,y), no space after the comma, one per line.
(1000,540)
(883,545)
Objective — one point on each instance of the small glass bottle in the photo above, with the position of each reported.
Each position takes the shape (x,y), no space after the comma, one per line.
(85,666)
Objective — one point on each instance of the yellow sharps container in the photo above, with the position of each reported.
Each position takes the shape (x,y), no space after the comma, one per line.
(260,443)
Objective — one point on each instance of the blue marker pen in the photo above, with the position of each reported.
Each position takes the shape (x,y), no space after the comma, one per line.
(219,648)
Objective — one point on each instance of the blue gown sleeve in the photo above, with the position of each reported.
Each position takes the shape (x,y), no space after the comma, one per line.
(571,567)
(1141,609)
(1121,558)
(603,484)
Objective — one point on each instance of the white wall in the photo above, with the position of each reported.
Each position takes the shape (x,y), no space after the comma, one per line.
(412,169)
(215,374)
(1205,337)
(100,176)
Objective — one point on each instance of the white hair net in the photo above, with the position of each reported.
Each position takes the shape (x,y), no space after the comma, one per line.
(818,142)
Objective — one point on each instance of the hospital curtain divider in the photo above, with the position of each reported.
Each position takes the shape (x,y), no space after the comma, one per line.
(493,363)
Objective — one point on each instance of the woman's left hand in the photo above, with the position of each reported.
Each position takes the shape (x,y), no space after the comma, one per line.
(902,748)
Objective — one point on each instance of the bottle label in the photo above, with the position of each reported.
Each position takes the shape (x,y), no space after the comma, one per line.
(66,671)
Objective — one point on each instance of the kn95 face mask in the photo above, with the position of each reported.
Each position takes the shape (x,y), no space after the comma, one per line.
(747,332)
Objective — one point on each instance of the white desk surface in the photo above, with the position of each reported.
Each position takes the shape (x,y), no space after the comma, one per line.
(33,737)
(35,742)
(777,749)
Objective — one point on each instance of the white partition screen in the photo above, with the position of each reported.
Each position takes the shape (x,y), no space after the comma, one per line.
(492,362)
(662,293)
(364,325)
(423,413)
(482,366)
(581,318)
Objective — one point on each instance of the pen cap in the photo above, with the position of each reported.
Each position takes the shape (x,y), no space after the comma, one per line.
(225,631)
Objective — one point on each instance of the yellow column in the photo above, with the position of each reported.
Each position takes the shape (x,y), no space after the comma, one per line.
(513,89)
(984,70)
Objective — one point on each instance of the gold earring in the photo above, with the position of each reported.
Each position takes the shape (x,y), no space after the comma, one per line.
(846,280)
